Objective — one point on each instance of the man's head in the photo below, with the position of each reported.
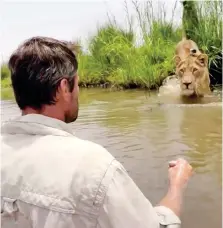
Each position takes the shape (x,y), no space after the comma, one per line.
(44,78)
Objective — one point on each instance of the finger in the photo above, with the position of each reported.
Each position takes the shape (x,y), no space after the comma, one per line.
(172,163)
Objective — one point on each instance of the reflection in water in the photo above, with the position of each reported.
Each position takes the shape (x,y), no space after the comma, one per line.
(144,132)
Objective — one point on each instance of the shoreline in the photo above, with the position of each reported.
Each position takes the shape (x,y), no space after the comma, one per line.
(7,92)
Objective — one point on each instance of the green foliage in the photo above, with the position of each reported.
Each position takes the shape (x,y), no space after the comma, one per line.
(190,19)
(203,23)
(114,59)
(5,73)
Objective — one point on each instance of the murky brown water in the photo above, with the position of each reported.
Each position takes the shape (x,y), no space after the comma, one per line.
(144,136)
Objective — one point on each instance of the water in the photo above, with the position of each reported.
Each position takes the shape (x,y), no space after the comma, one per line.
(170,86)
(145,131)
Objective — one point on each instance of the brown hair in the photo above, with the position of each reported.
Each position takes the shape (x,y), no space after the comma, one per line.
(37,67)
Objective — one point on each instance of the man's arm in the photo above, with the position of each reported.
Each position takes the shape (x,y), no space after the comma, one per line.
(179,173)
(125,206)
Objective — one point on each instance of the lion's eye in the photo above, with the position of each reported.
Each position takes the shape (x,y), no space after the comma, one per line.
(181,71)
(195,70)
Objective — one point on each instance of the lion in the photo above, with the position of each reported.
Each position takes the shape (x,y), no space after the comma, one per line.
(192,69)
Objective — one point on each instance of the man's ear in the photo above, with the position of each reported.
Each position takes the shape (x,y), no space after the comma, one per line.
(203,59)
(177,59)
(64,86)
(63,89)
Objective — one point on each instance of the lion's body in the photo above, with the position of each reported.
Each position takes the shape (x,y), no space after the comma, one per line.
(192,69)
(184,46)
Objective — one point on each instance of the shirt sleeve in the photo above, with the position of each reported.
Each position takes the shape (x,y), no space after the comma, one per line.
(125,206)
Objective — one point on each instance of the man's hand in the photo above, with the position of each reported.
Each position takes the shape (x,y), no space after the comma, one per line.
(180,172)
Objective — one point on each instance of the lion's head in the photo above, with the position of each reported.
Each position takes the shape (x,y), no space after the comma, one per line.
(193,74)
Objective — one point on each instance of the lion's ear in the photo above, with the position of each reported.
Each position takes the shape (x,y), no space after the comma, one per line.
(203,59)
(177,59)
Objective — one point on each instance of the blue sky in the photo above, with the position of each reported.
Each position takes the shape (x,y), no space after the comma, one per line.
(65,20)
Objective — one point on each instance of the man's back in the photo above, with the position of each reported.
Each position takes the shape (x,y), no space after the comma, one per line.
(50,176)
(52,179)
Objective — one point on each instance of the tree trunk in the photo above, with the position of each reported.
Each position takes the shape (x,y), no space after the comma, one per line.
(190,19)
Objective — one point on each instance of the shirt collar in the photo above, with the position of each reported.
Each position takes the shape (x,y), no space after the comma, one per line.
(37,124)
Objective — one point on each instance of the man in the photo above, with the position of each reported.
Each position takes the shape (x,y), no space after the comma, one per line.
(52,179)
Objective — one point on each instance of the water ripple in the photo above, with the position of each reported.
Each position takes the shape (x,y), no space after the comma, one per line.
(144,134)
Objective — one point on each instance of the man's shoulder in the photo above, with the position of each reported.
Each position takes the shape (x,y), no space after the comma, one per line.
(97,154)
(87,146)
(87,153)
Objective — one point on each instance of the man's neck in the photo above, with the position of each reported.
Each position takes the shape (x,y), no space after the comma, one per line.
(47,110)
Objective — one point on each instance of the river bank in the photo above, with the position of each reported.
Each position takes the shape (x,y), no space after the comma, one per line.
(113,59)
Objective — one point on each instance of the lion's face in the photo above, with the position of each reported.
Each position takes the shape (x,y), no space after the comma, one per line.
(193,75)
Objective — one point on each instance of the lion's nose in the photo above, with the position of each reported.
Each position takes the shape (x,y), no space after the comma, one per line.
(187,84)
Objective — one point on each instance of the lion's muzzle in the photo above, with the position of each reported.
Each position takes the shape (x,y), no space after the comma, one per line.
(187,85)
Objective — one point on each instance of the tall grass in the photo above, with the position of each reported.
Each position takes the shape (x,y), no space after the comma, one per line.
(114,59)
(203,23)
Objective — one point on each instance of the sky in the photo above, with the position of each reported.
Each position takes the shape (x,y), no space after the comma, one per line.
(66,20)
